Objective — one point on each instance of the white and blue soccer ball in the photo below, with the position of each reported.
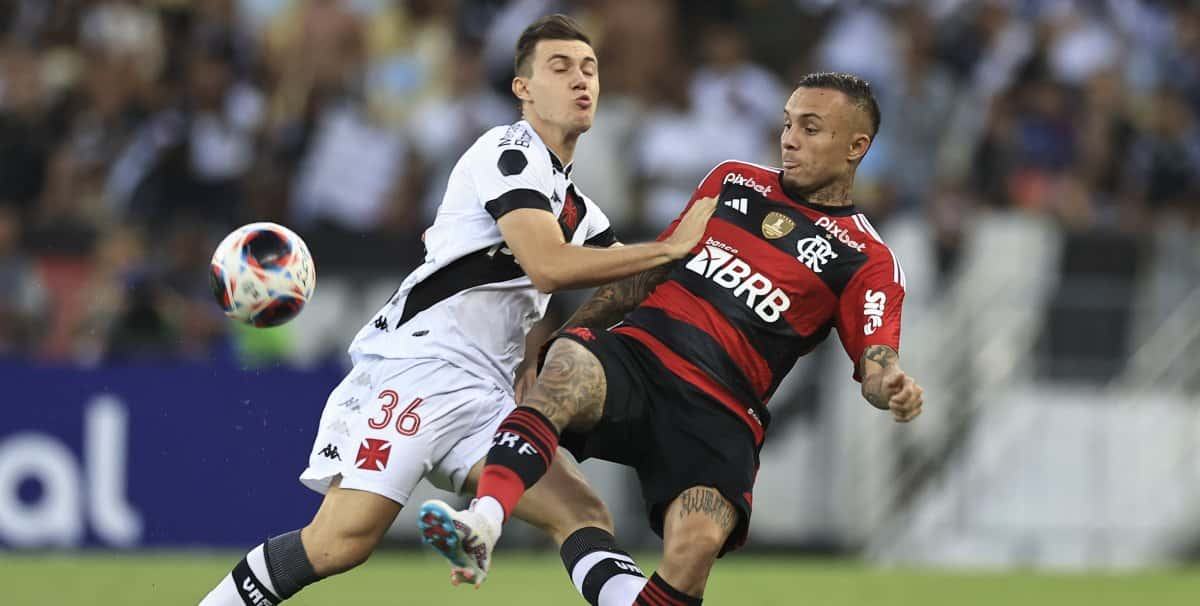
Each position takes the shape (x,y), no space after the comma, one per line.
(262,274)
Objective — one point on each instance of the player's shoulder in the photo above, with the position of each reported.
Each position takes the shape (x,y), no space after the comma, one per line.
(880,257)
(512,148)
(518,135)
(740,172)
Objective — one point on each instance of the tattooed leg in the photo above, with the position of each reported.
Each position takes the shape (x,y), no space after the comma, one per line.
(695,527)
(569,393)
(571,388)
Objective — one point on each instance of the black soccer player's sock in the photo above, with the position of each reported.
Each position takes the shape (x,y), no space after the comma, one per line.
(269,574)
(660,593)
(602,573)
(521,453)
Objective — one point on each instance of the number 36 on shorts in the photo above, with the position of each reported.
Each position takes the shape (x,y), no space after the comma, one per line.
(407,422)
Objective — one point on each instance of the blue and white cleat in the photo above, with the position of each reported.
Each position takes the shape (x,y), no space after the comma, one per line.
(466,538)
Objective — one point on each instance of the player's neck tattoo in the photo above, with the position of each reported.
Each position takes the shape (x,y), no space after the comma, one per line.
(834,194)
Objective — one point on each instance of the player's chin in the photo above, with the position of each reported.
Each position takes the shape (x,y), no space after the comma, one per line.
(583,122)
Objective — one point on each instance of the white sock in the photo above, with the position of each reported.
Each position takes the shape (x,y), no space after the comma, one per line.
(248,585)
(491,509)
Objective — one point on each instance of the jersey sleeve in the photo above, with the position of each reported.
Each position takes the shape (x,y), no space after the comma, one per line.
(511,176)
(869,309)
(599,228)
(710,186)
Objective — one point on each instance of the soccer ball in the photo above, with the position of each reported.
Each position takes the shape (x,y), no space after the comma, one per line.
(262,274)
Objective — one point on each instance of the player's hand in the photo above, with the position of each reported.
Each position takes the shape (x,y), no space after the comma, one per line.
(526,378)
(691,227)
(904,396)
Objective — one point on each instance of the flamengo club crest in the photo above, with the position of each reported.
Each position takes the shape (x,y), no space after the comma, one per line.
(815,252)
(777,225)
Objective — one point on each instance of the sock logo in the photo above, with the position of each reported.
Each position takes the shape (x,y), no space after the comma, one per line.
(509,439)
(250,589)
(629,567)
(253,595)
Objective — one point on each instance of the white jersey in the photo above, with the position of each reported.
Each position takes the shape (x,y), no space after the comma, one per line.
(470,303)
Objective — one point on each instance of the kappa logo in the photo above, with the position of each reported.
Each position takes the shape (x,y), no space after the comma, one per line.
(744,181)
(331,452)
(873,311)
(726,270)
(815,252)
(841,233)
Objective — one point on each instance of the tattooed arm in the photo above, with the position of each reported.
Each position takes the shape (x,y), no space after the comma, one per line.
(887,387)
(612,301)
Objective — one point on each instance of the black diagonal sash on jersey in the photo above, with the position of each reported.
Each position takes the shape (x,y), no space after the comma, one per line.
(486,266)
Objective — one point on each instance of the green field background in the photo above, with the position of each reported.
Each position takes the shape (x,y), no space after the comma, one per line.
(398,578)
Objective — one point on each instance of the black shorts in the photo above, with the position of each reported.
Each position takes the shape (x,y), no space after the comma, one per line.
(674,435)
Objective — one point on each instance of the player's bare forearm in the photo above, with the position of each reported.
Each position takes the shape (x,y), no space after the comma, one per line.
(581,267)
(875,360)
(612,301)
(886,386)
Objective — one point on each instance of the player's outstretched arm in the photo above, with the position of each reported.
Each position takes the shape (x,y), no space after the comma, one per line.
(552,264)
(887,387)
(609,304)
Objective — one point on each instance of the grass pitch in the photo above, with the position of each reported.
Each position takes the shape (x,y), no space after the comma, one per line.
(402,578)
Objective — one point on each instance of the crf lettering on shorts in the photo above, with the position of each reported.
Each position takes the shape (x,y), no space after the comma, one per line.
(727,270)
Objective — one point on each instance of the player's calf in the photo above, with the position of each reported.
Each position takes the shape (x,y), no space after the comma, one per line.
(695,529)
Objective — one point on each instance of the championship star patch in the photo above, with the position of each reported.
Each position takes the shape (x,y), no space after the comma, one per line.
(777,225)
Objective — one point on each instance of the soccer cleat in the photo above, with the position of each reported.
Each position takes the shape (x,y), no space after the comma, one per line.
(466,538)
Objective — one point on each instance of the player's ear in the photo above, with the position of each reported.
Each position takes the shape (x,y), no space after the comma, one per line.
(859,144)
(520,88)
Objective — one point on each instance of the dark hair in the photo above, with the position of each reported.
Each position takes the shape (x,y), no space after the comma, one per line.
(852,86)
(550,27)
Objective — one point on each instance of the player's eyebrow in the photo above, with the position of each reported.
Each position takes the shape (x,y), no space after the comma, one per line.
(787,114)
(569,59)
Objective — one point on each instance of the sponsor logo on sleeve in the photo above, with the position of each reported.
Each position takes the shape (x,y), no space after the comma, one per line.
(873,311)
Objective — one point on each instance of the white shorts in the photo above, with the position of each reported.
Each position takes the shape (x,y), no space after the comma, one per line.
(390,423)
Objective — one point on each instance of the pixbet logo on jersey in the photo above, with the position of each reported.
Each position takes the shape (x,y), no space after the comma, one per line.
(841,233)
(873,311)
(744,181)
(728,271)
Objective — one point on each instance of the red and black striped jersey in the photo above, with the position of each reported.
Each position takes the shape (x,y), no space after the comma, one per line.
(769,279)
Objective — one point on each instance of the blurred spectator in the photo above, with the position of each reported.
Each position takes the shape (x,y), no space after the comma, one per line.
(134,131)
(1164,166)
(190,158)
(442,127)
(22,296)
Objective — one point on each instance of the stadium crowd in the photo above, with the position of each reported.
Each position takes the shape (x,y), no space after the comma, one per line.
(135,134)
